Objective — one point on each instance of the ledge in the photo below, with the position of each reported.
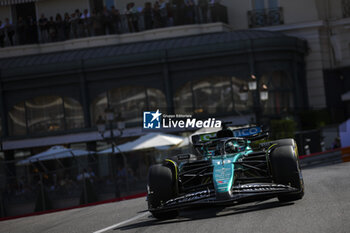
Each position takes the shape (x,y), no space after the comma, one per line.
(98,41)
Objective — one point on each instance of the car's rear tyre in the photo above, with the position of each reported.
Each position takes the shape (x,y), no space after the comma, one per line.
(286,170)
(161,188)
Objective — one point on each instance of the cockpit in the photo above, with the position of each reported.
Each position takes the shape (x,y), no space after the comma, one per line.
(224,146)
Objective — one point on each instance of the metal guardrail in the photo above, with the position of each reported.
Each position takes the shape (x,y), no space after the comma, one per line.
(331,157)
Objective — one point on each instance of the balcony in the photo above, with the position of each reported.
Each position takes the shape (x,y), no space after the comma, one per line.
(30,33)
(265,17)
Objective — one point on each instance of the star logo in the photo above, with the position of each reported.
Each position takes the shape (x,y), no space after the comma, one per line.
(151,120)
(156,115)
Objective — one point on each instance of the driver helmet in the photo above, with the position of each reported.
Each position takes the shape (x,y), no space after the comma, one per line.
(232,147)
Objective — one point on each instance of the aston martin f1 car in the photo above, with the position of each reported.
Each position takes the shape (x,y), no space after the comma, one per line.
(225,170)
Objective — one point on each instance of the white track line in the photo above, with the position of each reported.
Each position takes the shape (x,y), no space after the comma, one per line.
(122,223)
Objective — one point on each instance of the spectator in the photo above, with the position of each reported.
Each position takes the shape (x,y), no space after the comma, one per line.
(131,15)
(336,143)
(179,12)
(215,10)
(147,15)
(32,33)
(107,22)
(116,19)
(43,28)
(2,35)
(203,5)
(156,16)
(84,175)
(52,29)
(86,23)
(163,12)
(74,22)
(96,20)
(59,28)
(170,15)
(21,31)
(66,23)
(189,12)
(79,23)
(10,31)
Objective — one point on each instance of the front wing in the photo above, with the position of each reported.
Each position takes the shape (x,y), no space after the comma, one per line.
(238,195)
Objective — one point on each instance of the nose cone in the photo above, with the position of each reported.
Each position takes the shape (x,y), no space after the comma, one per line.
(223,177)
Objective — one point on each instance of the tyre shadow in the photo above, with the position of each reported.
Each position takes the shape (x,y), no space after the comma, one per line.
(198,213)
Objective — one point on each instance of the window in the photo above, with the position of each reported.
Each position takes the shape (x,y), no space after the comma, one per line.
(264,4)
(98,107)
(280,94)
(265,13)
(73,114)
(243,99)
(259,4)
(213,95)
(183,100)
(45,114)
(130,101)
(17,121)
(156,99)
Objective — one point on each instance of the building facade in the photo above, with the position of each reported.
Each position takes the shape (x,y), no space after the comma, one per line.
(323,24)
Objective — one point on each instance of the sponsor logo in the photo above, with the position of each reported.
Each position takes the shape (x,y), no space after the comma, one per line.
(151,120)
(157,120)
(189,197)
(246,132)
(259,188)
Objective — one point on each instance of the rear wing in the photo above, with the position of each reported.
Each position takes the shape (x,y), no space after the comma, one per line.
(252,133)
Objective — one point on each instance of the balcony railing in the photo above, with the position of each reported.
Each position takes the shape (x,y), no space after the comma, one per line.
(346,8)
(265,17)
(29,32)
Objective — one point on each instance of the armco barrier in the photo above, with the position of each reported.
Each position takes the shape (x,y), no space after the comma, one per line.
(345,154)
(75,207)
(327,157)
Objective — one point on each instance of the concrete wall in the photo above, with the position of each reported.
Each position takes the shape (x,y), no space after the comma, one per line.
(299,11)
(5,12)
(52,7)
(237,12)
(314,65)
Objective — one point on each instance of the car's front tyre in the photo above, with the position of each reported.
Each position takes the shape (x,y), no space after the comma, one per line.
(286,170)
(161,188)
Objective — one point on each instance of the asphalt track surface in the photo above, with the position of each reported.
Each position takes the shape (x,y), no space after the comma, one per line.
(324,208)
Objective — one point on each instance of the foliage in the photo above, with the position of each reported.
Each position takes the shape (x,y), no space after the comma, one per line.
(314,119)
(282,129)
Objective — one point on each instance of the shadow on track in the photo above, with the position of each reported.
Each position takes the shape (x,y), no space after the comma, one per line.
(194,214)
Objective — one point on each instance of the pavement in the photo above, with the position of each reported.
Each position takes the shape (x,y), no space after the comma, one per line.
(324,208)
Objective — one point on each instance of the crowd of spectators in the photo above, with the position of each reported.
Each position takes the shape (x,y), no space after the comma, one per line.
(161,13)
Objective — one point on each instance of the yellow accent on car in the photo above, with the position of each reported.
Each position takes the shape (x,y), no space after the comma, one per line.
(174,166)
(271,146)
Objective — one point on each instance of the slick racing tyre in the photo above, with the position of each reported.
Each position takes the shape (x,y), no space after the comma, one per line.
(161,188)
(286,170)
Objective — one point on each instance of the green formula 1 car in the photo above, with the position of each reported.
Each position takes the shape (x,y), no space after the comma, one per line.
(225,171)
